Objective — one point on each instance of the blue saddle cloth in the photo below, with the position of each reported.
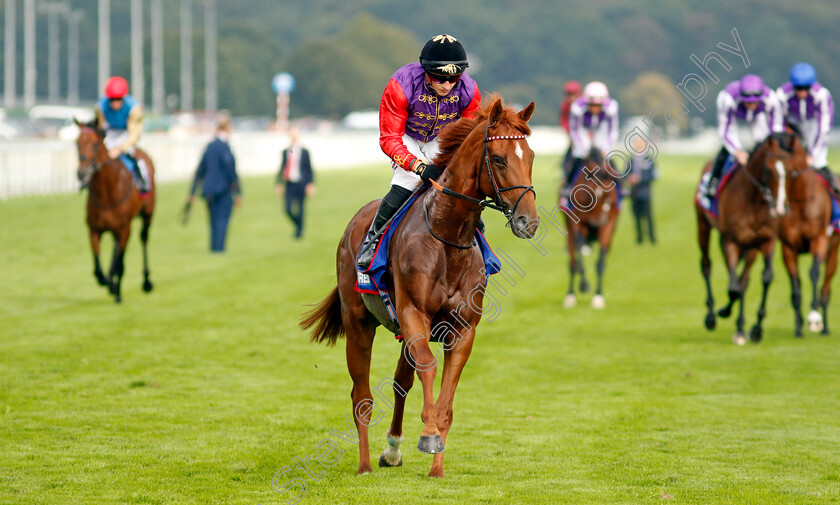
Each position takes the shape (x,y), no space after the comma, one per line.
(728,168)
(835,205)
(371,281)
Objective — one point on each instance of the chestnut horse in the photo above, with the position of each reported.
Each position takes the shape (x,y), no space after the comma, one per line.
(113,201)
(593,206)
(750,206)
(436,277)
(805,230)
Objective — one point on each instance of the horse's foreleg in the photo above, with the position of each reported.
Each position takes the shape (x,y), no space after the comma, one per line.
(792,267)
(604,240)
(580,241)
(453,365)
(766,278)
(95,236)
(416,326)
(403,380)
(144,237)
(358,351)
(570,300)
(743,282)
(118,263)
(830,269)
(731,255)
(819,249)
(703,233)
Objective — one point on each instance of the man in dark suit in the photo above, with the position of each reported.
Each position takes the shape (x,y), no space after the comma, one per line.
(295,180)
(642,174)
(217,171)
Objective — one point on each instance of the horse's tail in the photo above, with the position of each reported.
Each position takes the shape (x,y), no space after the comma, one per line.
(326,319)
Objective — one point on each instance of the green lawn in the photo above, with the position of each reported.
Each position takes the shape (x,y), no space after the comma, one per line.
(202,390)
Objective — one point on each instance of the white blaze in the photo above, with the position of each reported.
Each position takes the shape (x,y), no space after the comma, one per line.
(519,151)
(780,200)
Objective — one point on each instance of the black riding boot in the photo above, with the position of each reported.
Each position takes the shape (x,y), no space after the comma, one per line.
(142,183)
(387,208)
(826,174)
(717,168)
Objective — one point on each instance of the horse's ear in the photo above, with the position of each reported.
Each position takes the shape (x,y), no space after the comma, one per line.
(525,114)
(496,111)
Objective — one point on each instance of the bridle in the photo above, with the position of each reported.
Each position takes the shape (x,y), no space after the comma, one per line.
(95,167)
(496,203)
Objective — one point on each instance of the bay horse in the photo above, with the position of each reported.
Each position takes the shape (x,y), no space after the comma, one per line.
(436,275)
(113,201)
(593,215)
(806,230)
(750,206)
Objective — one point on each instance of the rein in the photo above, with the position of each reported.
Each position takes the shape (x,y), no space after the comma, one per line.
(763,189)
(496,203)
(96,167)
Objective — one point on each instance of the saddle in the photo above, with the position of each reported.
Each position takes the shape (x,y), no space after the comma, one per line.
(370,283)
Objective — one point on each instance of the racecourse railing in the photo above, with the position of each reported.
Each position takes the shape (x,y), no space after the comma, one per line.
(40,167)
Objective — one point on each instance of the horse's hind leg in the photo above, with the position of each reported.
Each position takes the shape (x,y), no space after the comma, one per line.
(766,279)
(403,380)
(144,238)
(704,231)
(358,351)
(453,365)
(95,237)
(792,266)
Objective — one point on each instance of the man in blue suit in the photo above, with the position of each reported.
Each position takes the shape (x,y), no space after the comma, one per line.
(295,180)
(217,171)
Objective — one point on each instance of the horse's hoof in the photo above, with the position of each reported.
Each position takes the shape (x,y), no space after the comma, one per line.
(725,312)
(598,302)
(384,464)
(815,323)
(711,321)
(739,339)
(101,280)
(437,474)
(570,301)
(363,469)
(825,332)
(148,286)
(430,445)
(584,287)
(755,334)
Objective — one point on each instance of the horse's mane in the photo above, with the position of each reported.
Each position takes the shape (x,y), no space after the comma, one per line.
(453,135)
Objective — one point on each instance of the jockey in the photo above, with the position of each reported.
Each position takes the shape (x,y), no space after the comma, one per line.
(593,122)
(808,107)
(752,103)
(419,100)
(122,118)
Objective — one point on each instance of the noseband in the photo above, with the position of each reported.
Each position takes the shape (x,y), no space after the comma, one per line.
(496,203)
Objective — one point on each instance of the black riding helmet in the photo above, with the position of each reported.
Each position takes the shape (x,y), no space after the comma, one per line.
(444,56)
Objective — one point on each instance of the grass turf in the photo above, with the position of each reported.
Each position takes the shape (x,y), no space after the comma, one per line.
(201,391)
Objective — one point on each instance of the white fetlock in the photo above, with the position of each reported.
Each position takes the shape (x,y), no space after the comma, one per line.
(392,455)
(598,302)
(570,301)
(739,339)
(815,322)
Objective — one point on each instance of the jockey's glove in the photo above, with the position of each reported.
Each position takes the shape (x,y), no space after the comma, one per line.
(427,172)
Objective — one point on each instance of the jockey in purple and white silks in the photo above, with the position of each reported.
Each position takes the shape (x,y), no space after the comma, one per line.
(747,102)
(593,122)
(808,107)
